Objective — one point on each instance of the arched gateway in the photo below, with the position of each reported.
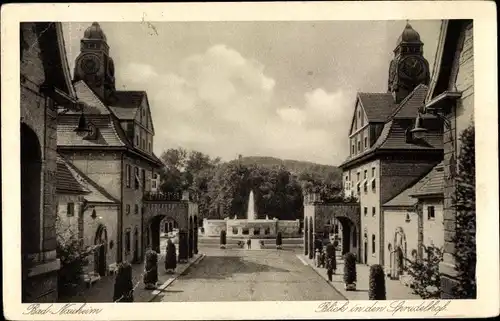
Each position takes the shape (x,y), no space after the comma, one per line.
(319,219)
(165,213)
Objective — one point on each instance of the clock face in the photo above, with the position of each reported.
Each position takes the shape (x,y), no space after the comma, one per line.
(90,64)
(412,67)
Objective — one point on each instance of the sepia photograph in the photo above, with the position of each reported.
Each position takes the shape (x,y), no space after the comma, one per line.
(216,161)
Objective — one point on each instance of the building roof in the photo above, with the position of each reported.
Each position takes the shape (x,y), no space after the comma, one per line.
(107,133)
(432,184)
(377,106)
(88,100)
(127,103)
(399,119)
(66,181)
(95,193)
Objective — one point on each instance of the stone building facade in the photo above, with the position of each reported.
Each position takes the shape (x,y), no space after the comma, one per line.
(451,96)
(110,141)
(386,157)
(45,87)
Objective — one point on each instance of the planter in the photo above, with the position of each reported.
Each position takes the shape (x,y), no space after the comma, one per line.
(350,287)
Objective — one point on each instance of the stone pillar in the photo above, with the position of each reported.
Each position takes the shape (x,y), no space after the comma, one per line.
(183,245)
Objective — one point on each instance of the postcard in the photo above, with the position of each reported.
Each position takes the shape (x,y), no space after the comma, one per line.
(279,160)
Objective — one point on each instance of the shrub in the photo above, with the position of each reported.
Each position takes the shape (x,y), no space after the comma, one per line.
(223,239)
(170,256)
(151,269)
(350,268)
(73,258)
(279,239)
(424,273)
(377,283)
(465,205)
(124,289)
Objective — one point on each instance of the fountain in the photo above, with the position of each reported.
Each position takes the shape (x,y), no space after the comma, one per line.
(251,227)
(251,215)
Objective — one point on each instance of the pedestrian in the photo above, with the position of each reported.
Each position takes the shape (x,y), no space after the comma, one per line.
(249,244)
(331,262)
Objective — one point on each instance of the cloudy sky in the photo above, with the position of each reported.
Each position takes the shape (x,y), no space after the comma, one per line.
(283,89)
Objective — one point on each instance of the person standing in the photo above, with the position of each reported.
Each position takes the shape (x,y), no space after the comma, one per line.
(249,244)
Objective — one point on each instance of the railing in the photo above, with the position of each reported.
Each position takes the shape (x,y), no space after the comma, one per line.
(169,197)
(159,196)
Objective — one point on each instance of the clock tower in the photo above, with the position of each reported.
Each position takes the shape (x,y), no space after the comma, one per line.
(409,68)
(94,65)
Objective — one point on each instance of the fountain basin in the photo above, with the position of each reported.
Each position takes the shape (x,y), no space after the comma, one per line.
(253,229)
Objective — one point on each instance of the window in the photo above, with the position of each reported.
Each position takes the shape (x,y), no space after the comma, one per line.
(136,176)
(373,184)
(235,231)
(127,241)
(136,209)
(127,209)
(373,171)
(245,231)
(374,212)
(365,210)
(359,145)
(153,184)
(365,174)
(137,140)
(430,213)
(70,211)
(256,231)
(149,147)
(366,142)
(143,146)
(373,243)
(357,175)
(127,175)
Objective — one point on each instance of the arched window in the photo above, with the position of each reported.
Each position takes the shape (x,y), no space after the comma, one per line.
(373,243)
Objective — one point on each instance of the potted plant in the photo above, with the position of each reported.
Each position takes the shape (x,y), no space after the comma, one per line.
(170,257)
(350,276)
(377,283)
(222,239)
(124,289)
(279,241)
(151,270)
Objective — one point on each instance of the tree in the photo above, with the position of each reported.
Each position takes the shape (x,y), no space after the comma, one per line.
(465,205)
(424,271)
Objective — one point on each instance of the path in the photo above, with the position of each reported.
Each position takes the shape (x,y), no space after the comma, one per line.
(240,275)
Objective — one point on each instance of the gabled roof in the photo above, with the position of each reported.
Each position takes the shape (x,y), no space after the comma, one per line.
(66,181)
(96,193)
(409,107)
(377,106)
(90,101)
(108,132)
(432,184)
(393,134)
(126,104)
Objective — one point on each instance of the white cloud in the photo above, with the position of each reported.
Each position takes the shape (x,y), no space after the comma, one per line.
(223,104)
(138,73)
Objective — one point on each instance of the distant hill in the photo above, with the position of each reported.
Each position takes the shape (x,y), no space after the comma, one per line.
(295,167)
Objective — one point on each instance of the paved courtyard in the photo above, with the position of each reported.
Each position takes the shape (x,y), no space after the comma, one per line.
(241,275)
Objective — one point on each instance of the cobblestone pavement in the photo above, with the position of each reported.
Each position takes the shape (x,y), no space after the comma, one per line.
(241,275)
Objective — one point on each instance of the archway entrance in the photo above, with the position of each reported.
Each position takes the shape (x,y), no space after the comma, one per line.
(31,175)
(306,236)
(101,242)
(311,238)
